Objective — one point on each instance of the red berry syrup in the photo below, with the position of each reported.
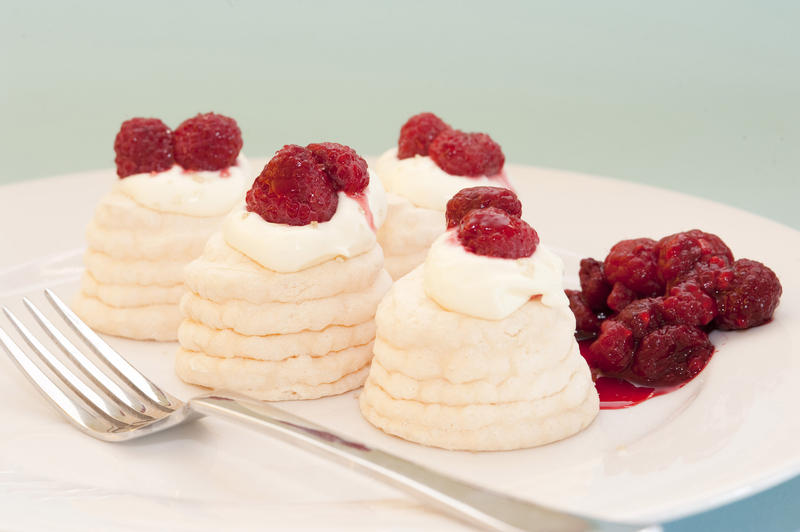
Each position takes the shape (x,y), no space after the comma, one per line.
(363,202)
(617,393)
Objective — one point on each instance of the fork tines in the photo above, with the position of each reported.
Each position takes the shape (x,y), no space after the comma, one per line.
(105,405)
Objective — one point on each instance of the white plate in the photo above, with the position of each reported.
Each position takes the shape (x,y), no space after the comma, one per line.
(732,432)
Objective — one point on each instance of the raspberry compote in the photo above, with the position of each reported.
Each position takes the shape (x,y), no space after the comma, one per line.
(643,315)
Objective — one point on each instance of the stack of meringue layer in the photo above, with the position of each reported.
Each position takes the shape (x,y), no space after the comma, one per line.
(417,194)
(283,312)
(444,377)
(142,236)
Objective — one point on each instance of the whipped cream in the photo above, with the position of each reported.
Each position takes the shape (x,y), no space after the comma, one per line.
(190,192)
(423,183)
(491,288)
(289,248)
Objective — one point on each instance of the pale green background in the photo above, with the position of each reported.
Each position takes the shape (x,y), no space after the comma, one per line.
(700,97)
(697,96)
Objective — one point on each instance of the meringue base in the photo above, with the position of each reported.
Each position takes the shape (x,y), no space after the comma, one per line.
(134,268)
(454,381)
(279,336)
(227,343)
(407,234)
(146,322)
(294,378)
(399,418)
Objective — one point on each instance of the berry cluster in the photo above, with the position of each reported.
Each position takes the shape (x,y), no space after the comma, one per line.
(454,151)
(205,142)
(650,304)
(299,184)
(488,223)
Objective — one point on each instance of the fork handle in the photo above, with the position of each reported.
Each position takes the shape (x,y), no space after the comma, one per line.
(475,505)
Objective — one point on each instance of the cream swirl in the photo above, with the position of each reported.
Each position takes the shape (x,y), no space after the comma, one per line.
(490,287)
(291,248)
(199,193)
(423,183)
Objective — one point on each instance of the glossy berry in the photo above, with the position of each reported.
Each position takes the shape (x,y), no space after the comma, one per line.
(143,145)
(634,263)
(658,341)
(346,170)
(642,316)
(468,199)
(688,304)
(671,355)
(293,189)
(586,321)
(620,297)
(593,284)
(678,253)
(467,154)
(751,297)
(417,134)
(711,273)
(207,142)
(495,233)
(613,349)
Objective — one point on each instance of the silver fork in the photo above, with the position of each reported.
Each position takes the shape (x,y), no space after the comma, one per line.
(109,411)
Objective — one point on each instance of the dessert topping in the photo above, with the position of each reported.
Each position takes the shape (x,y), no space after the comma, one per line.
(467,154)
(275,227)
(207,142)
(346,170)
(143,145)
(417,134)
(496,233)
(479,198)
(293,189)
(465,270)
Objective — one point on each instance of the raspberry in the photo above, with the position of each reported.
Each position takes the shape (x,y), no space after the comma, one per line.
(467,154)
(293,189)
(670,355)
(711,273)
(468,199)
(586,321)
(417,134)
(634,264)
(613,350)
(678,253)
(750,299)
(143,145)
(207,142)
(345,168)
(688,304)
(495,233)
(642,316)
(594,285)
(658,341)
(620,297)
